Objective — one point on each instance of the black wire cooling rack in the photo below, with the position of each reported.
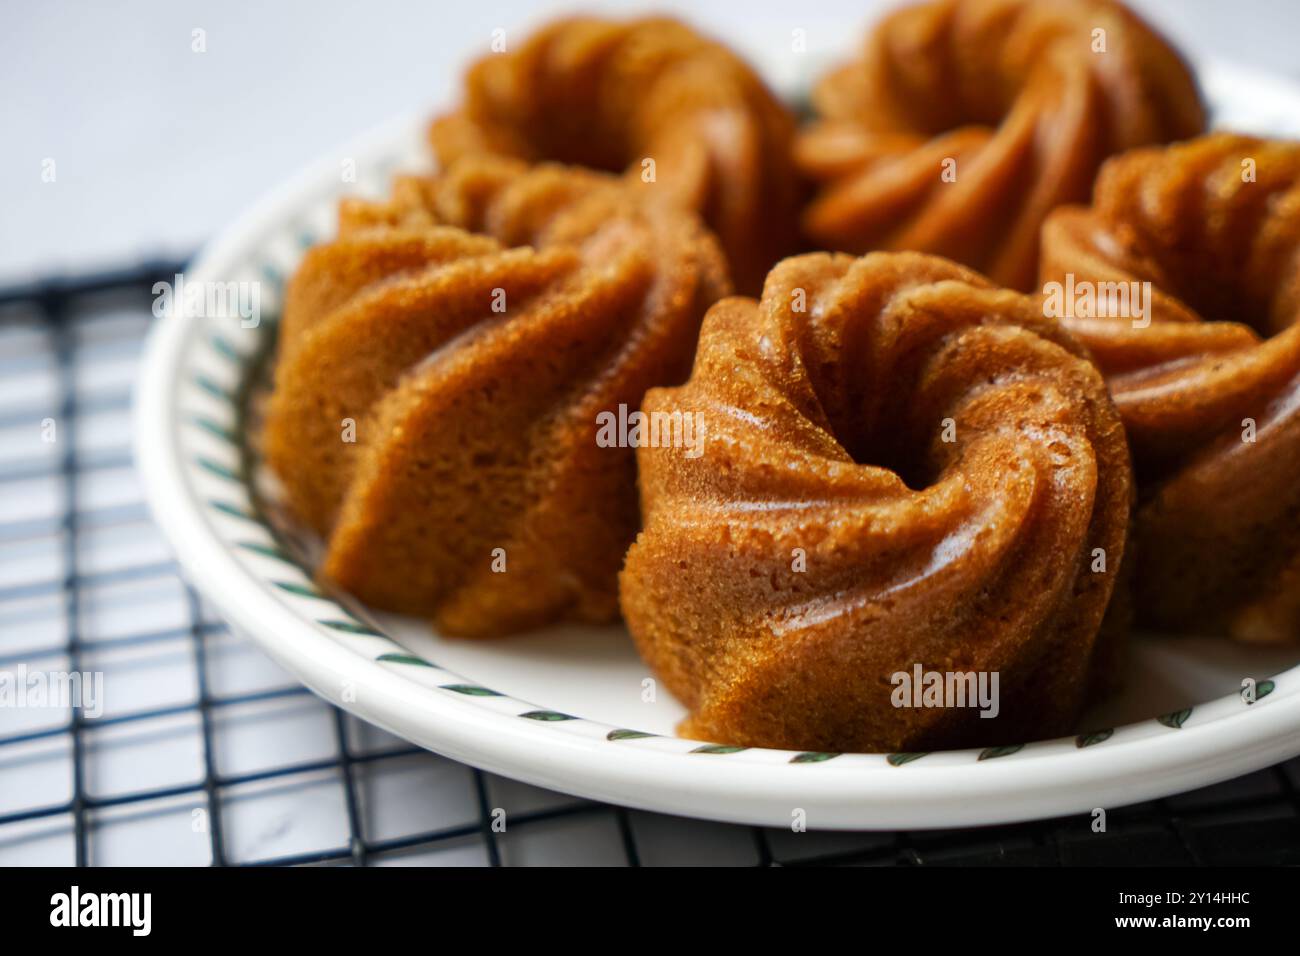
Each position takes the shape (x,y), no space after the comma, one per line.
(205,753)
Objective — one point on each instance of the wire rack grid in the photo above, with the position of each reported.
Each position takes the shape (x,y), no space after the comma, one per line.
(206,753)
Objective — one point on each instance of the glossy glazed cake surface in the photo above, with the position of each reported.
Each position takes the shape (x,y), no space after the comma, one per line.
(1203,239)
(964,122)
(904,465)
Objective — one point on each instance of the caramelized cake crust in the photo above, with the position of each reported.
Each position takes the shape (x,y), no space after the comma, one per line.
(964,122)
(904,465)
(613,94)
(1208,380)
(473,327)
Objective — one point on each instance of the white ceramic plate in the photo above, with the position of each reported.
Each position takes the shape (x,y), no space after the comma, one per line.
(564,709)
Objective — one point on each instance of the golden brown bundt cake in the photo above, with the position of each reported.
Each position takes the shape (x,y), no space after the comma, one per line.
(472,329)
(609,95)
(1206,376)
(904,466)
(964,122)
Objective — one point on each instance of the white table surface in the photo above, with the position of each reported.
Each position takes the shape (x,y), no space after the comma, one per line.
(156,146)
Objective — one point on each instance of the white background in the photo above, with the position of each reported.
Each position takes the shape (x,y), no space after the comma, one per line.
(156,146)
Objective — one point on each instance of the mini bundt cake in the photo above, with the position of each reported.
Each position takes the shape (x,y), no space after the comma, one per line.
(905,465)
(1202,240)
(469,332)
(965,122)
(612,95)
